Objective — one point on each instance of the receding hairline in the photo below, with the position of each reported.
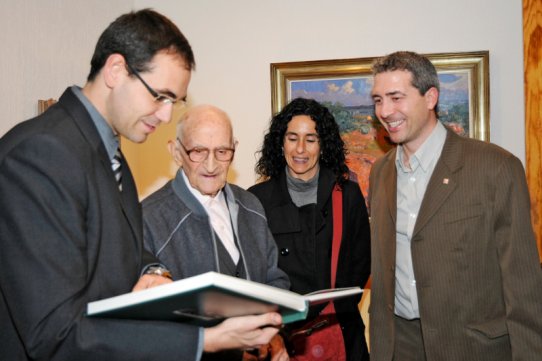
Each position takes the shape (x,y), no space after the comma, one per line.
(203,112)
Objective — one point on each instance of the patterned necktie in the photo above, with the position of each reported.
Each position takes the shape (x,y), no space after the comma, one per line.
(116,165)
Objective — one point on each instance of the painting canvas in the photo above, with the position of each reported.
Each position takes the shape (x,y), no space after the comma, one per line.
(348,98)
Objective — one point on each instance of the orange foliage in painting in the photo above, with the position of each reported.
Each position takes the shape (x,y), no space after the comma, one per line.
(363,151)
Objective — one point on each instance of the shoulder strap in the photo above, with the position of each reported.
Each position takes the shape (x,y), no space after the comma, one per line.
(337,209)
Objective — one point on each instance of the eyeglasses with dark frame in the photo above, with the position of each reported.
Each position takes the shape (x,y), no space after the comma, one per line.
(161,98)
(199,155)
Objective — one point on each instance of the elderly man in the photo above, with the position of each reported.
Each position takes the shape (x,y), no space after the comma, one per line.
(198,222)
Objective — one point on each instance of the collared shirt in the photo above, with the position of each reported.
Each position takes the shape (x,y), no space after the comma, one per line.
(219,214)
(411,185)
(109,139)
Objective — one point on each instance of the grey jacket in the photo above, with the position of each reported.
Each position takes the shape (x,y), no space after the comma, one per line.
(178,231)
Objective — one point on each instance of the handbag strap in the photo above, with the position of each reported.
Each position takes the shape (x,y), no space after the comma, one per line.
(337,210)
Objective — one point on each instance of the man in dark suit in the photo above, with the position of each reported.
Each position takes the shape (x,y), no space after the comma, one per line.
(456,272)
(70,226)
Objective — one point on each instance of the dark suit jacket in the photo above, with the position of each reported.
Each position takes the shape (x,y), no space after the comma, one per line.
(68,237)
(306,258)
(475,260)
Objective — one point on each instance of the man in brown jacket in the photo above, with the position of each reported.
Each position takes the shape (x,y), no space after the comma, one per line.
(456,273)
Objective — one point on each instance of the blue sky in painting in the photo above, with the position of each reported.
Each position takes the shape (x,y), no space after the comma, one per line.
(448,78)
(348,91)
(454,87)
(354,91)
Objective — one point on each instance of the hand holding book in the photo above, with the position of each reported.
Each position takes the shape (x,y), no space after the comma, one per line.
(244,332)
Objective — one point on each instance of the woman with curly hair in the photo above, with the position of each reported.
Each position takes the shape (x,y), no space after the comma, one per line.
(302,162)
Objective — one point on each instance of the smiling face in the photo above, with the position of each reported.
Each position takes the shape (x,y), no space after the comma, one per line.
(131,110)
(302,147)
(407,115)
(204,127)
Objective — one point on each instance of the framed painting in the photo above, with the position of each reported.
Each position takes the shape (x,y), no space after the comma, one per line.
(344,86)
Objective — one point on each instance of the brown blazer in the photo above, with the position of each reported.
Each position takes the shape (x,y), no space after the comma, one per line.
(478,275)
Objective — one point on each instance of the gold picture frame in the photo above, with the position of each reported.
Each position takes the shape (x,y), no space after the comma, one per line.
(344,86)
(43,104)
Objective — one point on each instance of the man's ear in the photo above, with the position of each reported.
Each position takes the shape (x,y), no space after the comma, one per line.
(114,70)
(175,153)
(431,98)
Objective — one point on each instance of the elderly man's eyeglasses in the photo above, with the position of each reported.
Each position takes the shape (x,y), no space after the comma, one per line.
(198,154)
(161,98)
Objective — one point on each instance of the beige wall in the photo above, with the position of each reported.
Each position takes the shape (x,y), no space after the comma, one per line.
(47,45)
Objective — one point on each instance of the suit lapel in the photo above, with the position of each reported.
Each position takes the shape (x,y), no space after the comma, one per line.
(387,185)
(129,202)
(128,199)
(389,175)
(442,182)
(390,187)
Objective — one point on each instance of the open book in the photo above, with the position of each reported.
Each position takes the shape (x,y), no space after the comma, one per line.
(209,298)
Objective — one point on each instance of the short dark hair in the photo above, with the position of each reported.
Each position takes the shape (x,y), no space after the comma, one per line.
(424,74)
(138,36)
(333,151)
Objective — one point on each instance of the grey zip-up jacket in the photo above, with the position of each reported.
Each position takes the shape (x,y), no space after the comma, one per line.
(177,230)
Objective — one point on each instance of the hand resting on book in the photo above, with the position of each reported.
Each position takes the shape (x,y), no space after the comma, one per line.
(246,332)
(149,281)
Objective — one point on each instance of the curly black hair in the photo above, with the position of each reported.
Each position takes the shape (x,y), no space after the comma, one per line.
(332,148)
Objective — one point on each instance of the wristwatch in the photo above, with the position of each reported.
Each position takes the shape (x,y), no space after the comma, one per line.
(159,271)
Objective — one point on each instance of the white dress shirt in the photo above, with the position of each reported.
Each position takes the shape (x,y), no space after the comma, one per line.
(219,215)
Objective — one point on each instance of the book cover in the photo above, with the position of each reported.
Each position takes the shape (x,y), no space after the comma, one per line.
(209,298)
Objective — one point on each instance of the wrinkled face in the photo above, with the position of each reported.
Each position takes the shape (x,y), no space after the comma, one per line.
(406,114)
(205,131)
(302,147)
(132,110)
